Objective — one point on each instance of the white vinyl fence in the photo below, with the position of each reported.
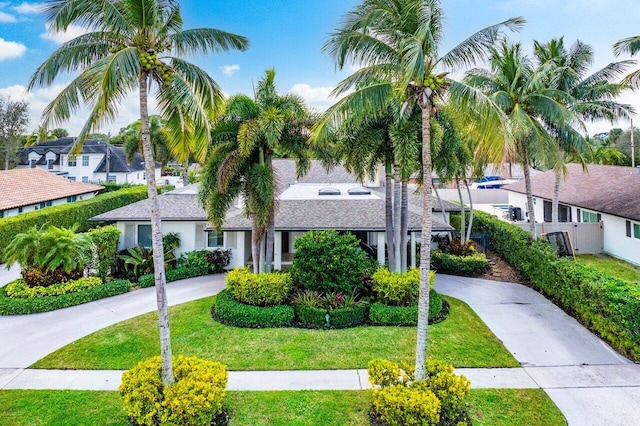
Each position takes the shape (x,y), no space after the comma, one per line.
(586,238)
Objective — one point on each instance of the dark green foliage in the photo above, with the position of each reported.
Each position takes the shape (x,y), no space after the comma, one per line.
(66,215)
(38,277)
(328,261)
(138,261)
(34,305)
(381,314)
(181,273)
(215,260)
(231,312)
(468,266)
(606,305)
(105,248)
(351,316)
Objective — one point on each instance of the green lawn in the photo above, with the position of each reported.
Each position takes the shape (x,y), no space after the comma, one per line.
(495,407)
(616,267)
(462,339)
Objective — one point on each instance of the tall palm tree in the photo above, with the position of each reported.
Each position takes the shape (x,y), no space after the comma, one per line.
(130,138)
(593,96)
(538,113)
(240,160)
(397,44)
(136,45)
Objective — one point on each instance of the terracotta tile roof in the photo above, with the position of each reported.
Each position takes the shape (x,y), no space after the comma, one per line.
(24,187)
(613,190)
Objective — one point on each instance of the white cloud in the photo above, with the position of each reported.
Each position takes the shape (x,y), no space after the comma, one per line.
(315,97)
(6,18)
(230,69)
(28,8)
(72,32)
(11,49)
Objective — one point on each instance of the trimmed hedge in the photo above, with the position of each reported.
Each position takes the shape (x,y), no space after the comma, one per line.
(381,314)
(34,305)
(468,266)
(606,305)
(149,280)
(270,289)
(19,290)
(66,215)
(232,312)
(338,318)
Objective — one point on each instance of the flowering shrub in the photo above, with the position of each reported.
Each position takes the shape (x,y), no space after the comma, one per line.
(195,398)
(399,399)
(19,290)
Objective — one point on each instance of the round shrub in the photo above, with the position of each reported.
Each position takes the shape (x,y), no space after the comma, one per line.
(258,289)
(327,261)
(381,314)
(195,398)
(232,312)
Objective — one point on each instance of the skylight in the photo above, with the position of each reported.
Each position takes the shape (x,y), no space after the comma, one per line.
(329,191)
(359,191)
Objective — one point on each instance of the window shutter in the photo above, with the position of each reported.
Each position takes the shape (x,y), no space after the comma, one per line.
(199,237)
(579,215)
(129,235)
(628,228)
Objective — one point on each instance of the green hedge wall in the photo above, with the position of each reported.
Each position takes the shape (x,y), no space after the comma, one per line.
(238,314)
(468,266)
(338,318)
(606,305)
(66,215)
(181,273)
(9,306)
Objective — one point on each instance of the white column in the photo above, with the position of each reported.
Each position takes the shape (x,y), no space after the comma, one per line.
(238,257)
(277,251)
(413,249)
(381,250)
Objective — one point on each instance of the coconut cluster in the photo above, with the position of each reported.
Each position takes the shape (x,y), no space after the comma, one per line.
(151,63)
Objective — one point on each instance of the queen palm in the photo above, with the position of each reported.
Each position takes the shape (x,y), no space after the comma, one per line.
(136,45)
(240,161)
(397,44)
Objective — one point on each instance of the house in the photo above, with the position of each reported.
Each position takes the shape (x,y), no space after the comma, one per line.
(320,200)
(24,190)
(98,162)
(606,194)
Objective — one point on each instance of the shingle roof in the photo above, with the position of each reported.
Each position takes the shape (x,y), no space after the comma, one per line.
(607,189)
(23,187)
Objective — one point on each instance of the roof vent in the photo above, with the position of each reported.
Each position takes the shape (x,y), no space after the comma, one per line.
(359,191)
(329,191)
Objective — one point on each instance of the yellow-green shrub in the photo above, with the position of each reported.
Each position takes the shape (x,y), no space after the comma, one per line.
(401,406)
(19,290)
(398,289)
(195,398)
(258,289)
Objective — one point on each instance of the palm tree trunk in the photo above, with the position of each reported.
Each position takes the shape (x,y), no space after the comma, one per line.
(527,184)
(255,245)
(404,226)
(554,202)
(388,198)
(185,173)
(470,214)
(397,202)
(263,255)
(463,218)
(444,214)
(269,238)
(156,237)
(425,248)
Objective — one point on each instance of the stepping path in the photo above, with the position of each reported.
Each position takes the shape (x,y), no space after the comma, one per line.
(589,381)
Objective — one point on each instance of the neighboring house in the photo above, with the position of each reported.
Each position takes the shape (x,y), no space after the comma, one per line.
(607,194)
(320,200)
(24,190)
(97,159)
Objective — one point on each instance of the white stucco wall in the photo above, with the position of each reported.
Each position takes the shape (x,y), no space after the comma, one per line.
(520,200)
(616,242)
(33,207)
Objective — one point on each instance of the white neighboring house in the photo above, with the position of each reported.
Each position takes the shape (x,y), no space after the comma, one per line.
(25,190)
(97,160)
(606,194)
(320,200)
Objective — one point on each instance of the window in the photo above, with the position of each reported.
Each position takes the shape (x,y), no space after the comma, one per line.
(72,161)
(1,214)
(144,235)
(72,199)
(46,204)
(111,178)
(589,216)
(628,229)
(50,164)
(32,163)
(72,178)
(20,210)
(85,179)
(636,230)
(214,239)
(85,160)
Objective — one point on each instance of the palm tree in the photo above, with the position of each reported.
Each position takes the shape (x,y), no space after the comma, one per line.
(240,160)
(630,45)
(397,44)
(593,96)
(136,45)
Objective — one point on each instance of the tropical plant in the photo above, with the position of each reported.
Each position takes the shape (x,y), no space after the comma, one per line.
(133,45)
(130,138)
(239,162)
(138,262)
(397,43)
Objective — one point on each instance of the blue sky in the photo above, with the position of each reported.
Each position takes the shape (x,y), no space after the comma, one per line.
(288,35)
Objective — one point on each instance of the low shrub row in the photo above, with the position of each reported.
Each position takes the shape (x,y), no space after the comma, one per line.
(19,290)
(10,306)
(232,312)
(310,316)
(381,314)
(149,280)
(258,289)
(216,260)
(67,215)
(468,266)
(606,305)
